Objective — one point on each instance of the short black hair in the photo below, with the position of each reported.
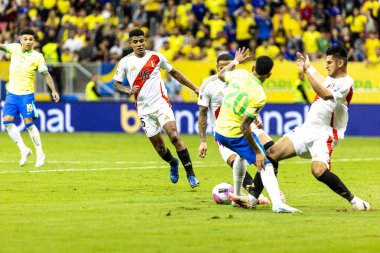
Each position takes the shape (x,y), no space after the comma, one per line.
(136,33)
(264,65)
(224,57)
(338,52)
(28,31)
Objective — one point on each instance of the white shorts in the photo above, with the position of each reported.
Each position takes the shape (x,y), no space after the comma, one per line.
(225,152)
(154,122)
(317,144)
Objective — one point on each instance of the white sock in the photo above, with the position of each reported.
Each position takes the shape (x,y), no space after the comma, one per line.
(35,136)
(15,135)
(271,184)
(239,169)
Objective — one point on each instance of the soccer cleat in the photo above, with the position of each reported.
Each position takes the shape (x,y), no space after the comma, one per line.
(284,208)
(174,176)
(263,200)
(247,201)
(361,205)
(193,181)
(40,160)
(24,156)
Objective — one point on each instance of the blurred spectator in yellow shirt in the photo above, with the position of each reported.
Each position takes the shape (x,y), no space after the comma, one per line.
(357,22)
(176,40)
(215,24)
(92,93)
(244,25)
(310,41)
(192,51)
(373,6)
(53,20)
(70,17)
(168,52)
(68,56)
(372,48)
(63,6)
(216,6)
(93,19)
(267,48)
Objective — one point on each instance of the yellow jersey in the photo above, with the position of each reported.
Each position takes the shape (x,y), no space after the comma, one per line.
(23,68)
(244,95)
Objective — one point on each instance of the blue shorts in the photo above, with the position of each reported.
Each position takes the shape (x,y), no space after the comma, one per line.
(20,104)
(241,146)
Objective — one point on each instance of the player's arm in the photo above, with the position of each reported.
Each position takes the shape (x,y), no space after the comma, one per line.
(242,54)
(202,126)
(125,90)
(245,127)
(315,79)
(183,79)
(2,46)
(50,83)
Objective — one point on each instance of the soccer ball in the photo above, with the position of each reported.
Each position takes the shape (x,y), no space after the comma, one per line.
(220,193)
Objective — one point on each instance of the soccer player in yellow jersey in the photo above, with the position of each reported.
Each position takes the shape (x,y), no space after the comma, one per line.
(20,92)
(244,97)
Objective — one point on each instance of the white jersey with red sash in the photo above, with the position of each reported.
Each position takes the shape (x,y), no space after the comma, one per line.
(145,73)
(211,96)
(332,114)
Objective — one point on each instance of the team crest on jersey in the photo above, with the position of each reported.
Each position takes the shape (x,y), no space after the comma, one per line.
(167,117)
(133,68)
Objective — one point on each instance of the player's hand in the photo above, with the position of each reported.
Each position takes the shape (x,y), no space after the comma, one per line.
(134,89)
(307,62)
(258,123)
(55,96)
(242,54)
(202,150)
(260,162)
(301,62)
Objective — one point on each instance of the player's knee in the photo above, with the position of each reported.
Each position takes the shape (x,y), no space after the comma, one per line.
(174,138)
(231,159)
(317,169)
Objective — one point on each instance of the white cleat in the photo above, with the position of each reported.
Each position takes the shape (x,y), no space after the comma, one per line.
(40,160)
(360,205)
(247,201)
(284,208)
(24,156)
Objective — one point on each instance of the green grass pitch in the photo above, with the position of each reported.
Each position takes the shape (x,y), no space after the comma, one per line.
(112,193)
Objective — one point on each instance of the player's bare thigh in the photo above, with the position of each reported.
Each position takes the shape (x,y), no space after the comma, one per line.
(282,149)
(318,168)
(8,118)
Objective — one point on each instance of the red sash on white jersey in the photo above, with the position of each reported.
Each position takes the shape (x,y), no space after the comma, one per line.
(145,73)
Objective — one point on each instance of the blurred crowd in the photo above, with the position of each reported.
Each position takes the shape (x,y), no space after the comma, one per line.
(97,30)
